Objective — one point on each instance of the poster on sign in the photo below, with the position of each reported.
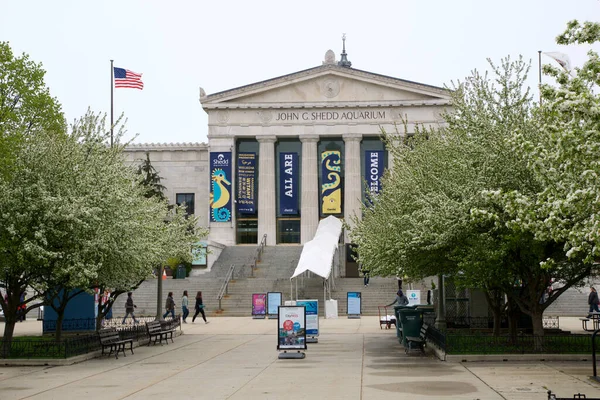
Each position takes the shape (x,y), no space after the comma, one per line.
(291,328)
(259,305)
(414,297)
(354,304)
(273,303)
(312,316)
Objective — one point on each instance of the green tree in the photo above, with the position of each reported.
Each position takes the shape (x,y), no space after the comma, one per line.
(75,216)
(151,179)
(436,215)
(26,105)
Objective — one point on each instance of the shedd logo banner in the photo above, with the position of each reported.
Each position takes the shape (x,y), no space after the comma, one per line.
(220,186)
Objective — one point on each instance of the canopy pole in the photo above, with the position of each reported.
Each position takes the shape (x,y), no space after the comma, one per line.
(291,288)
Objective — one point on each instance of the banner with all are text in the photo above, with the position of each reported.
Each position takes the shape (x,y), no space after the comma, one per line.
(288,183)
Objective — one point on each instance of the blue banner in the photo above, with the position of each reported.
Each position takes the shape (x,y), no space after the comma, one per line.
(312,316)
(353,303)
(220,186)
(246,183)
(331,188)
(273,302)
(288,183)
(373,170)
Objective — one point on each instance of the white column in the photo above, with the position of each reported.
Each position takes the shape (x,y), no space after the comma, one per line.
(352,181)
(266,189)
(309,211)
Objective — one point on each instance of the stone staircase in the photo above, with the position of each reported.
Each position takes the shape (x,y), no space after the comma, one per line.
(272,275)
(572,303)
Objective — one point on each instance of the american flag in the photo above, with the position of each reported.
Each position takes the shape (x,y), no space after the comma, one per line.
(125,78)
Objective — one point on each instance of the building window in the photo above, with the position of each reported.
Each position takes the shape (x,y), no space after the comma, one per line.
(186,199)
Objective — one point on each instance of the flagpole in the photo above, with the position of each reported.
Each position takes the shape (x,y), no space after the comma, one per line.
(540,74)
(112,86)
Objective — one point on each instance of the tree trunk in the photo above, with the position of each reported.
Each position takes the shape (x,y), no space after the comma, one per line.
(513,320)
(497,321)
(60,316)
(538,328)
(9,330)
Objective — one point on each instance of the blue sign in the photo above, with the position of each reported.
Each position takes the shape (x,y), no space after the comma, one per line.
(353,303)
(246,183)
(373,170)
(273,302)
(220,186)
(312,316)
(288,183)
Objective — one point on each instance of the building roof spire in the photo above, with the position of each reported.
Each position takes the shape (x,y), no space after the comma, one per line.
(344,57)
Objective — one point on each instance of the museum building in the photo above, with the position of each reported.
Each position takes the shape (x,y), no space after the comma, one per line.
(284,153)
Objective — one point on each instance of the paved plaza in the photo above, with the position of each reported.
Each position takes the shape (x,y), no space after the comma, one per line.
(236,358)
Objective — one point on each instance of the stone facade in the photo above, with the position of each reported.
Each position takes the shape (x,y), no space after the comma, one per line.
(307,106)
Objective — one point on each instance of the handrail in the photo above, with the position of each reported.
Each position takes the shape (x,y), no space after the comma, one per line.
(225,286)
(258,254)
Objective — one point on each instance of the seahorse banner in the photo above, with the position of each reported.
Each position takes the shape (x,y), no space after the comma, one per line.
(246,179)
(220,186)
(288,183)
(331,188)
(373,170)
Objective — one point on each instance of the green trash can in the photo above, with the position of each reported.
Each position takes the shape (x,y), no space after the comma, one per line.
(180,272)
(411,321)
(398,322)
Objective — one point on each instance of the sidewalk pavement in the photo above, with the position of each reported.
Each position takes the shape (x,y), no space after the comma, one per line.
(236,358)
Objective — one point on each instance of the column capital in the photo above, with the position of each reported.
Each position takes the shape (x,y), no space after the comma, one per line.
(309,138)
(266,139)
(352,137)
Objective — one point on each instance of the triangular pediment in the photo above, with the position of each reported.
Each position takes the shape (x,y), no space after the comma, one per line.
(329,84)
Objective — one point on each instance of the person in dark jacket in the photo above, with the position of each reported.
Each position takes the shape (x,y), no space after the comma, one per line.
(199,308)
(401,299)
(170,306)
(593,301)
(129,308)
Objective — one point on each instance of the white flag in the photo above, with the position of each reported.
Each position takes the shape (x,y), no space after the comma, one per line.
(562,59)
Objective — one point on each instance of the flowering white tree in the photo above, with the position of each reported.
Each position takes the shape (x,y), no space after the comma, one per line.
(74,215)
(436,214)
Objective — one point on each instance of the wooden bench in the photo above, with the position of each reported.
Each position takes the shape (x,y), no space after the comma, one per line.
(109,337)
(418,341)
(156,331)
(584,322)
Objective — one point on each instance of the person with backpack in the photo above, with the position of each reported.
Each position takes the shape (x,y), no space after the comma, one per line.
(170,306)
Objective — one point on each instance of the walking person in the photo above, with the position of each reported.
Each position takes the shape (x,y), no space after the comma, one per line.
(593,301)
(129,308)
(170,306)
(184,306)
(366,275)
(199,308)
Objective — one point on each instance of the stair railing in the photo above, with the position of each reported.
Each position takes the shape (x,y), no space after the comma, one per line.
(258,254)
(225,287)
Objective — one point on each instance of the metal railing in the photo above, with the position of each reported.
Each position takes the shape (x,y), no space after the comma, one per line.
(258,254)
(225,287)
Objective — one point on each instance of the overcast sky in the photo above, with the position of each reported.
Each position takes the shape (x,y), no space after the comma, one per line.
(182,45)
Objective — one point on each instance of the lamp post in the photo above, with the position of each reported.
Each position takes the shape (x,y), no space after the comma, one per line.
(159,312)
(440,321)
